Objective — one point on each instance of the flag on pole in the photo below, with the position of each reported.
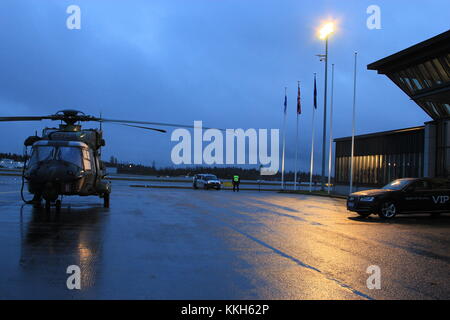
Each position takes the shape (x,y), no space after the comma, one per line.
(315,93)
(299,111)
(311,170)
(285,102)
(299,105)
(284,138)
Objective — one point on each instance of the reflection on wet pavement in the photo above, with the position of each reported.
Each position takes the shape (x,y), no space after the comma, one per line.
(196,244)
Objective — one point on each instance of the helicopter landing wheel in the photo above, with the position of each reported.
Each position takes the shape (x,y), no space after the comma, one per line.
(36,204)
(106,200)
(58,205)
(47,205)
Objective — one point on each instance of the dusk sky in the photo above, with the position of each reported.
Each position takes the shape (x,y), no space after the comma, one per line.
(225,62)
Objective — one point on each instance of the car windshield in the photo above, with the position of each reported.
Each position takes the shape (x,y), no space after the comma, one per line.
(397,184)
(210,177)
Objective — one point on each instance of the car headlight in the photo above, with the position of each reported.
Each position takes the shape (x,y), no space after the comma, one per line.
(367,199)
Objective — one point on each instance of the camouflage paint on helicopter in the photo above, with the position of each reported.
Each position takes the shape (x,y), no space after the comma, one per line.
(67,160)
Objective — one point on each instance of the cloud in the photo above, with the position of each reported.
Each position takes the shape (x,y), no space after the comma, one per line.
(223,62)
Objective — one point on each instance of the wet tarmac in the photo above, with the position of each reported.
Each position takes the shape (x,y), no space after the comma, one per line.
(197,244)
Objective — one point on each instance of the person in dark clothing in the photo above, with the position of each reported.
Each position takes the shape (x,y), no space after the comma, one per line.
(236,182)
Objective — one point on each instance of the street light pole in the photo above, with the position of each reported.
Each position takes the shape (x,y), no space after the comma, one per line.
(330,152)
(353,126)
(324,135)
(324,34)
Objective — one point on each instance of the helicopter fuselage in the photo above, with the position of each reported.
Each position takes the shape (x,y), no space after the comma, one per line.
(66,161)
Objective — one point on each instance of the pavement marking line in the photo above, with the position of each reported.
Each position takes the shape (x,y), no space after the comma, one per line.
(297,261)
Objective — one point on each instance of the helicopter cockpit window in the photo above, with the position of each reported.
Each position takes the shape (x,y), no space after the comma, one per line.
(86,160)
(75,155)
(41,153)
(69,154)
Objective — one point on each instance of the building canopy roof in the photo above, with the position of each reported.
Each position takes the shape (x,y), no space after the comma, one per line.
(423,73)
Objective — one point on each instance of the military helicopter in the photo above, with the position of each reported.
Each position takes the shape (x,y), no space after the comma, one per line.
(66,161)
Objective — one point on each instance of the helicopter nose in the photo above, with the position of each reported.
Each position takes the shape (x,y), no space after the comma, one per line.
(64,173)
(55,171)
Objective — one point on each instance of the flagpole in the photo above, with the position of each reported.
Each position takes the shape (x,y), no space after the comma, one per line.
(311,169)
(296,138)
(331,129)
(353,126)
(296,155)
(284,138)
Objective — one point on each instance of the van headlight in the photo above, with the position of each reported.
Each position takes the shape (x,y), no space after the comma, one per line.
(367,199)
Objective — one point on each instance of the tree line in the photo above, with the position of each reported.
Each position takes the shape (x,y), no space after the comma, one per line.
(220,172)
(12,156)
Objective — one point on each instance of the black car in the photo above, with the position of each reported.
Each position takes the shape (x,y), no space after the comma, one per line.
(409,195)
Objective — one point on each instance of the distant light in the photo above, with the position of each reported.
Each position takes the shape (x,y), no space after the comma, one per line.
(326,30)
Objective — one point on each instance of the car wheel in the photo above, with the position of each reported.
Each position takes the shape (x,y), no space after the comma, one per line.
(195,185)
(363,214)
(388,210)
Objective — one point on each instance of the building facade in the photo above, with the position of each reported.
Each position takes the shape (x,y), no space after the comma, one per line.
(381,157)
(423,73)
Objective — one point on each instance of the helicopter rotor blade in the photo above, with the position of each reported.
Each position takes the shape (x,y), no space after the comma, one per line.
(162,124)
(141,127)
(72,118)
(32,118)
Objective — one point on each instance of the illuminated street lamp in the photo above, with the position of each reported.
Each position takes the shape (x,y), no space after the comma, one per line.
(324,33)
(326,30)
